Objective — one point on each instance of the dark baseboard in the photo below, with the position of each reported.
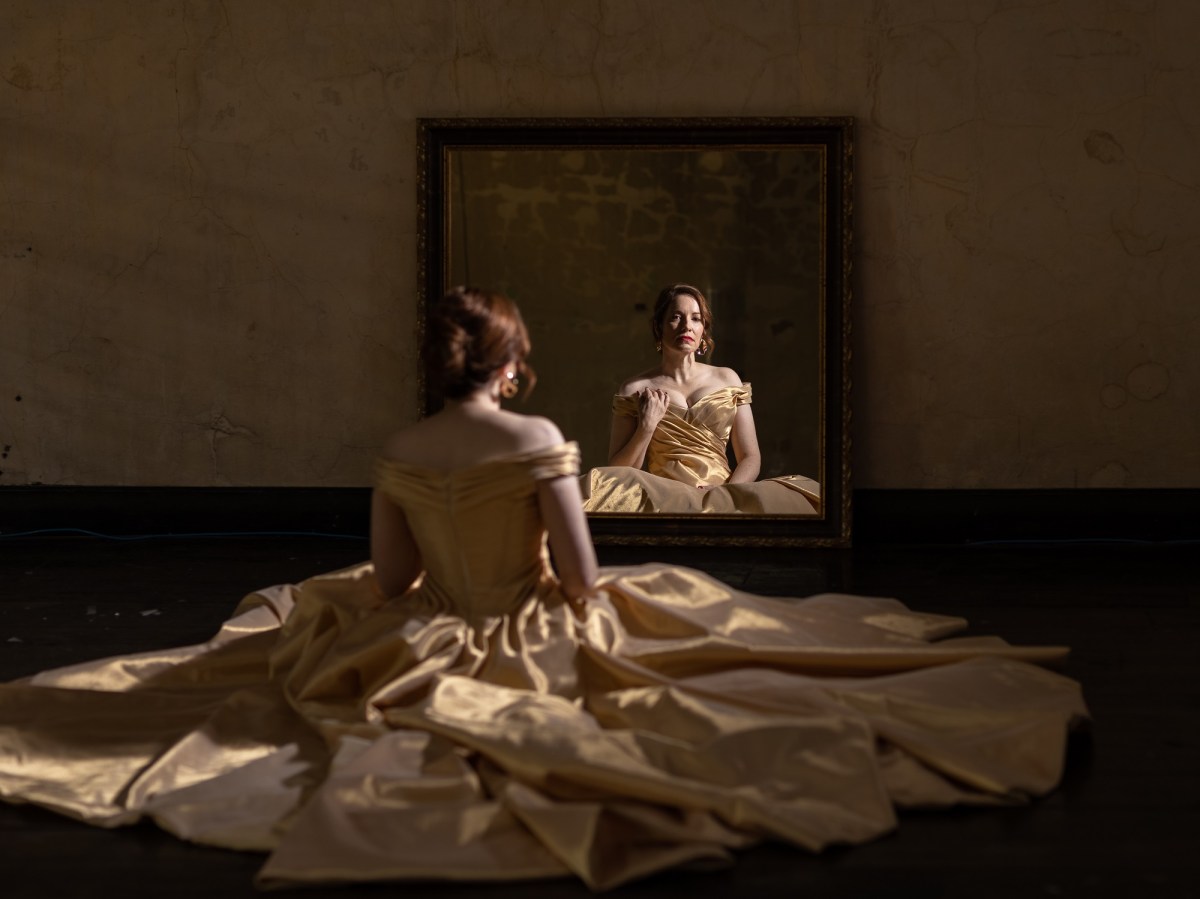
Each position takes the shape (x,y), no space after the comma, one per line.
(164,511)
(880,516)
(980,516)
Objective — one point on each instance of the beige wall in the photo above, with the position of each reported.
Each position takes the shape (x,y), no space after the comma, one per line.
(207,247)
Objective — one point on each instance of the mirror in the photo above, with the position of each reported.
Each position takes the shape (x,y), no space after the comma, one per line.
(583,221)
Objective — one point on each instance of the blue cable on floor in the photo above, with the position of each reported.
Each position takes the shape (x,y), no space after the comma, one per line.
(1064,541)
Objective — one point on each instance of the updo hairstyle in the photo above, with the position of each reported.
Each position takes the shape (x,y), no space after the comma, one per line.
(665,296)
(471,333)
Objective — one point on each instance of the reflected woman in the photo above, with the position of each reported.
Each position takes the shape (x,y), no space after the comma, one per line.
(672,426)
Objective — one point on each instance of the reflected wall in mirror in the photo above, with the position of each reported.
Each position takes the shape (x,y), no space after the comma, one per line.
(582,222)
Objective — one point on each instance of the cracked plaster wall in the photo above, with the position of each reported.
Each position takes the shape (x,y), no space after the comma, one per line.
(207,247)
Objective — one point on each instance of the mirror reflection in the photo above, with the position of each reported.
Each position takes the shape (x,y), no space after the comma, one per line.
(583,224)
(683,438)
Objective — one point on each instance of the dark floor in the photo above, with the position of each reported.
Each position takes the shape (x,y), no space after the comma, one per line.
(1126,821)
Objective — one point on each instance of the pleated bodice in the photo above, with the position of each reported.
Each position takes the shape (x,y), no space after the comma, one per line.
(689,443)
(479,530)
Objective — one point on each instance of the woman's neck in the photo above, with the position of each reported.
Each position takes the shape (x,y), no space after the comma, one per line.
(483,399)
(679,367)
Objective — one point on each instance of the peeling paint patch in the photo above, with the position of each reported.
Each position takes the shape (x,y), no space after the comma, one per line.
(221,427)
(1113,396)
(1148,381)
(1103,147)
(20,77)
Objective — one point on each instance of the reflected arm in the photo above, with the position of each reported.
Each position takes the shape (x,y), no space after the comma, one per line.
(628,441)
(631,437)
(393,548)
(745,447)
(570,540)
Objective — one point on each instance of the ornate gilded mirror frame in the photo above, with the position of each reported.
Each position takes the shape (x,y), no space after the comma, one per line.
(818,243)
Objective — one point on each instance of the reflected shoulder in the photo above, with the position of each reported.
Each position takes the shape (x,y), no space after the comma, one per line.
(727,376)
(637,383)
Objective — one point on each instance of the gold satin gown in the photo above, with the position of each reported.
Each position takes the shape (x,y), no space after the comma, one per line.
(687,450)
(483,726)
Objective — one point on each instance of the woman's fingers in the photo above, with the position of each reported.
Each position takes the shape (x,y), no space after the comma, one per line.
(653,405)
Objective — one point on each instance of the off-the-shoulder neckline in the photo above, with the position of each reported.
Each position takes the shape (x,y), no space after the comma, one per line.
(569,446)
(745,385)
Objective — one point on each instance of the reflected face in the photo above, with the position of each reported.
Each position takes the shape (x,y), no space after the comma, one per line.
(683,325)
(754,213)
(763,262)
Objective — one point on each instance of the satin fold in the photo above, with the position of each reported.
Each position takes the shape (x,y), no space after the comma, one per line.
(687,452)
(483,726)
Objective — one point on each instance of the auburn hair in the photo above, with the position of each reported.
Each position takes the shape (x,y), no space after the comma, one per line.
(470,334)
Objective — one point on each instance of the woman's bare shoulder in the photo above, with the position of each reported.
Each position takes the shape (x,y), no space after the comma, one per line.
(533,431)
(726,377)
(403,443)
(638,382)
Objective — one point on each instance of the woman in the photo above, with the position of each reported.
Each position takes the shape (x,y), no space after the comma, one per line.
(476,347)
(457,710)
(676,420)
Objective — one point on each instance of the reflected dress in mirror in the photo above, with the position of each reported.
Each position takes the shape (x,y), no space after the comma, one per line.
(687,453)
